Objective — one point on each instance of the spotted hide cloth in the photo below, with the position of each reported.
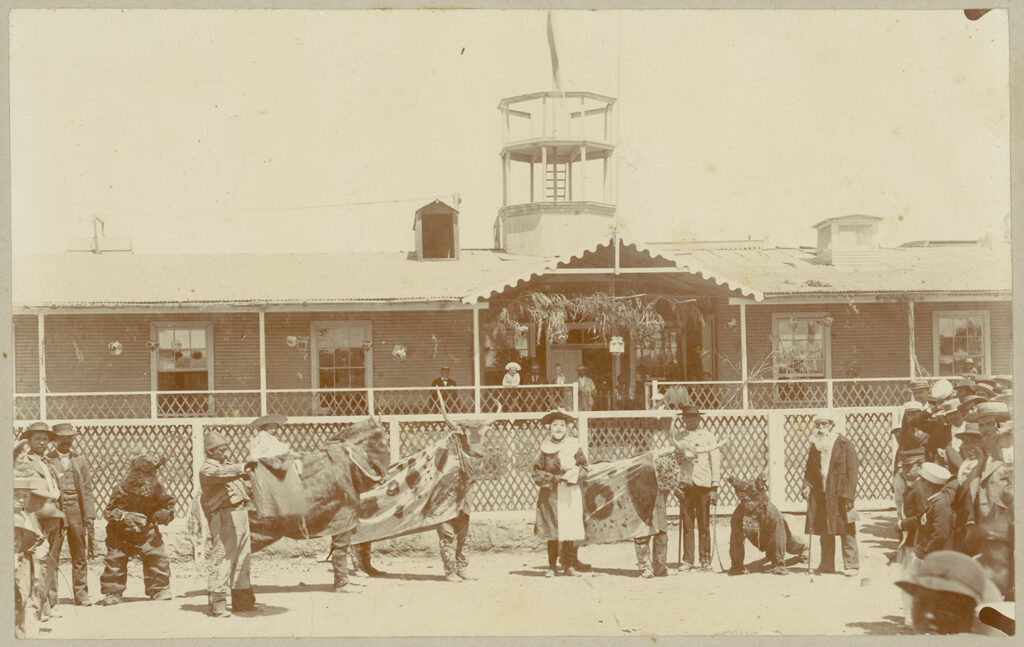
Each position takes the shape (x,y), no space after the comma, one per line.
(619,499)
(324,500)
(419,493)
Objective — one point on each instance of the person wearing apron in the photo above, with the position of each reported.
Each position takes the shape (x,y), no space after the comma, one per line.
(559,470)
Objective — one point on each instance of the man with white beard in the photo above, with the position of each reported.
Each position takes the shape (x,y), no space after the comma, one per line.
(830,485)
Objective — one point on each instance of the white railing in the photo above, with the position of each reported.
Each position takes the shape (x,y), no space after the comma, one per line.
(786,394)
(389,401)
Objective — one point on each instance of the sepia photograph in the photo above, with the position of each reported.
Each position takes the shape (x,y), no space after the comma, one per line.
(529,322)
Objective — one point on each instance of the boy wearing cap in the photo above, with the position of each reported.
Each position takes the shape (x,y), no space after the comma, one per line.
(830,485)
(224,501)
(138,505)
(935,524)
(76,502)
(699,476)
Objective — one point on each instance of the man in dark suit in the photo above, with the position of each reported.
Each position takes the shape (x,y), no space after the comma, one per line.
(450,397)
(830,485)
(79,507)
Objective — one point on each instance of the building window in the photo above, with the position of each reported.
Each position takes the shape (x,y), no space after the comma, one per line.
(802,347)
(183,362)
(341,360)
(960,335)
(660,358)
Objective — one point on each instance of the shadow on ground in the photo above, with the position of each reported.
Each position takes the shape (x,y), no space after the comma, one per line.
(888,626)
(261,610)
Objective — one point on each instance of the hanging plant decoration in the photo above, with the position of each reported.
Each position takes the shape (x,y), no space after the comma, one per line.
(152,346)
(291,341)
(399,352)
(115,348)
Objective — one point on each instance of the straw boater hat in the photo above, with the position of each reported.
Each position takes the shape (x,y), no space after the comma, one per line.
(985,390)
(997,410)
(970,402)
(941,391)
(917,384)
(33,428)
(272,420)
(557,414)
(934,473)
(970,429)
(513,365)
(689,410)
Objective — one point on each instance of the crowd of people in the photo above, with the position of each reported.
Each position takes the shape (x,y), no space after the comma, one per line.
(953,482)
(952,477)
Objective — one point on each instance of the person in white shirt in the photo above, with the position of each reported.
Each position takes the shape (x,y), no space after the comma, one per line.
(699,475)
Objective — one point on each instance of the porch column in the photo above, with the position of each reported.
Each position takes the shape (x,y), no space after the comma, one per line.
(476,358)
(743,353)
(263,363)
(913,339)
(41,351)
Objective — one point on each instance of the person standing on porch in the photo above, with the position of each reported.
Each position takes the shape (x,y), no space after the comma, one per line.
(79,508)
(225,501)
(588,390)
(830,485)
(699,476)
(450,399)
(559,470)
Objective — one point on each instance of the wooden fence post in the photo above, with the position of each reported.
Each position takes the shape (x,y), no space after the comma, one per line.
(198,455)
(583,432)
(777,458)
(395,440)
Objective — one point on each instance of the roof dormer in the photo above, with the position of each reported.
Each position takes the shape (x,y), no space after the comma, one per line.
(437,232)
(848,240)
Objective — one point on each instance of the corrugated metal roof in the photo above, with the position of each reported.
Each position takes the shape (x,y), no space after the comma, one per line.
(82,280)
(969,268)
(89,279)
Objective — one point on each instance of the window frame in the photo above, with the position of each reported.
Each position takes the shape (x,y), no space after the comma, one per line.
(154,356)
(986,325)
(314,349)
(778,317)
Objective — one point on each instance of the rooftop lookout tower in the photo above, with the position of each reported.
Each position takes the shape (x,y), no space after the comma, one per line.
(556,170)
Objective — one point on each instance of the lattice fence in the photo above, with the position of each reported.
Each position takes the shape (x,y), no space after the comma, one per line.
(788,395)
(745,453)
(208,405)
(26,408)
(526,399)
(406,402)
(107,449)
(797,434)
(871,434)
(301,437)
(107,407)
(881,393)
(710,395)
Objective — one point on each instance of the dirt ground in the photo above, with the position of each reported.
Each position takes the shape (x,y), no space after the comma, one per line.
(511,597)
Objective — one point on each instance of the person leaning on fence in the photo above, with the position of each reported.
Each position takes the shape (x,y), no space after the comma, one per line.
(699,477)
(559,470)
(39,435)
(76,502)
(138,505)
(225,501)
(448,399)
(830,486)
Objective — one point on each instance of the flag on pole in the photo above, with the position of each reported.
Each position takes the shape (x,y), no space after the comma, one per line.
(556,74)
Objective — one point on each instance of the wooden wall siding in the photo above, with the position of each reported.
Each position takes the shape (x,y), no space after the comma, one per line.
(26,354)
(727,340)
(289,368)
(1000,315)
(868,339)
(93,368)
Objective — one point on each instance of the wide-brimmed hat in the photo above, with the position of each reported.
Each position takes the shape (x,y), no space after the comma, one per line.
(514,365)
(997,410)
(65,430)
(948,407)
(987,391)
(970,402)
(445,368)
(557,414)
(913,405)
(689,410)
(964,384)
(970,429)
(948,571)
(34,427)
(935,473)
(267,420)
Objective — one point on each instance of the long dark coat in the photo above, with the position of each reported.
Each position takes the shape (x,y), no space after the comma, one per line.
(826,507)
(80,470)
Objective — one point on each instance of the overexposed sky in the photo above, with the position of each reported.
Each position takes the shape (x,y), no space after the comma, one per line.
(262,131)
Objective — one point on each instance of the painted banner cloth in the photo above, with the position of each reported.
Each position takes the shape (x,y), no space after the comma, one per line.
(427,489)
(419,493)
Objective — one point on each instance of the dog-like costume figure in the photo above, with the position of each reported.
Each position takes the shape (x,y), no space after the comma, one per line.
(758,520)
